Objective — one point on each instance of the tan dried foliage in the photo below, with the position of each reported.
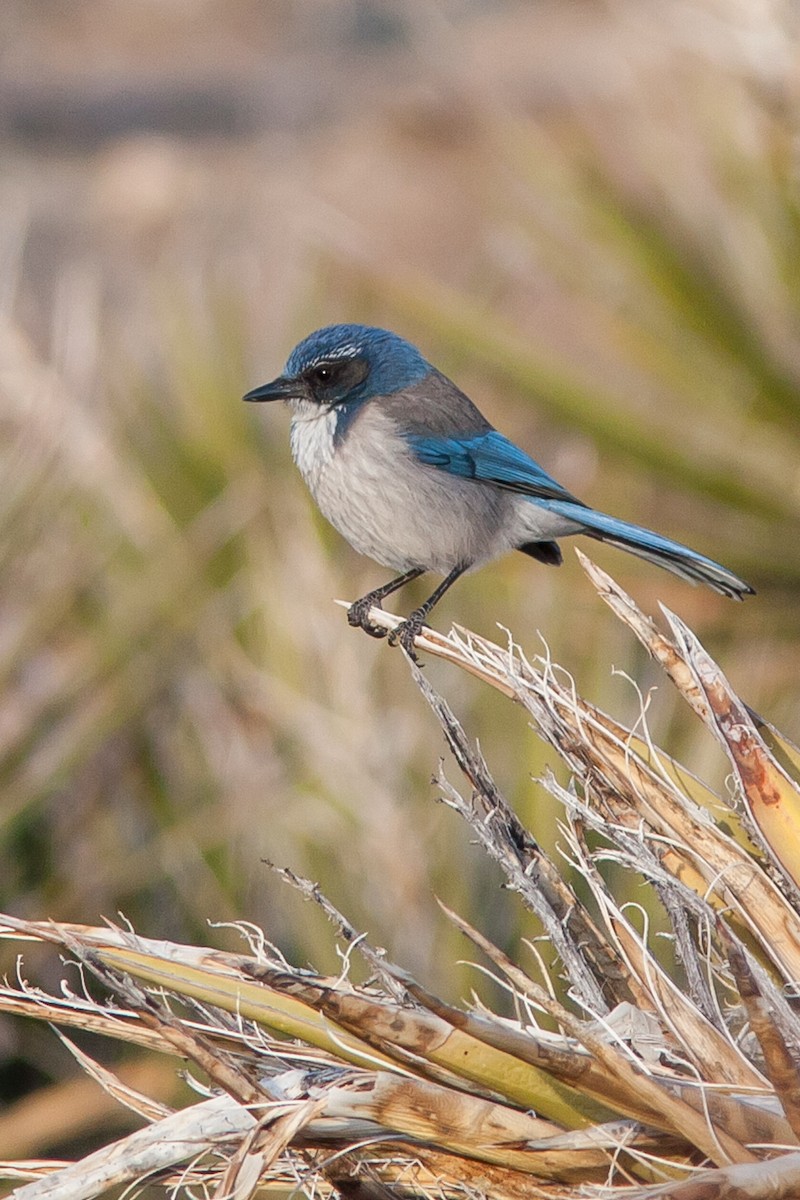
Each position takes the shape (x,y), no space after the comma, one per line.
(631,1077)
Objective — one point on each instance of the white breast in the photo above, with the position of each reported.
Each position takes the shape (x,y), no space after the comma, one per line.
(389,506)
(400,512)
(311,440)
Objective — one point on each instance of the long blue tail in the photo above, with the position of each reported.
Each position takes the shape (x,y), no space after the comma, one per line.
(673,556)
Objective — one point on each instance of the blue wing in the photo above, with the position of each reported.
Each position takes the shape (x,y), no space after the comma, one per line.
(490,458)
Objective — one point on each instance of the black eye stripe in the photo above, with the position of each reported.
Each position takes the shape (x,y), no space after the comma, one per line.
(332,379)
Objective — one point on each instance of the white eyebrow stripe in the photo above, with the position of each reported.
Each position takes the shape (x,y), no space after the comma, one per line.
(348,350)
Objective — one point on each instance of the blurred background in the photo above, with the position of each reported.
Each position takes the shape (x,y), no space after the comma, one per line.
(584,211)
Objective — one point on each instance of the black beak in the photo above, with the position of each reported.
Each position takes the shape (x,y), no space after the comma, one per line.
(280,389)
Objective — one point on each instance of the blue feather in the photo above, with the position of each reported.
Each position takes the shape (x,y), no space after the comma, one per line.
(490,458)
(647,544)
(493,459)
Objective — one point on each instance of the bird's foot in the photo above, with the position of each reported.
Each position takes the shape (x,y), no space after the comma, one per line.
(358,615)
(405,633)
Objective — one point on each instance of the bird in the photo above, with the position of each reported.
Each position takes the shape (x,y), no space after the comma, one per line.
(404,465)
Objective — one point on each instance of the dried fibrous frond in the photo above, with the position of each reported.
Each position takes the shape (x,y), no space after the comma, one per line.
(627,1075)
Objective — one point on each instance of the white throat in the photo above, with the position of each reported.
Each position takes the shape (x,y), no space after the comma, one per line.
(311,438)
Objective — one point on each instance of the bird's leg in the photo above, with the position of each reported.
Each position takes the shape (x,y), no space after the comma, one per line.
(358,612)
(408,630)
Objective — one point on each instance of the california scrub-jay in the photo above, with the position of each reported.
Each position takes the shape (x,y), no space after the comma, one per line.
(404,465)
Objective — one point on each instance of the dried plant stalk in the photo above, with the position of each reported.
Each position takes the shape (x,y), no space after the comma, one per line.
(640,1084)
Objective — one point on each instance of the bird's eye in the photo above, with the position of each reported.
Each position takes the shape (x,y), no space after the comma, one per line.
(331,381)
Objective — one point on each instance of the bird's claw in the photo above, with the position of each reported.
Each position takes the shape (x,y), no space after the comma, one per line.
(405,633)
(358,616)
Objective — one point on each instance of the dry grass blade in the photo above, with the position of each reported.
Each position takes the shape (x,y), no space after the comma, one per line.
(118,1089)
(259,1151)
(775,1180)
(78,1013)
(175,1139)
(466,1125)
(780,1058)
(771,795)
(663,650)
(786,753)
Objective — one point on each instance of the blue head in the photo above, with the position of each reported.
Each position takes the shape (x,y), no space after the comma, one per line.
(341,366)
